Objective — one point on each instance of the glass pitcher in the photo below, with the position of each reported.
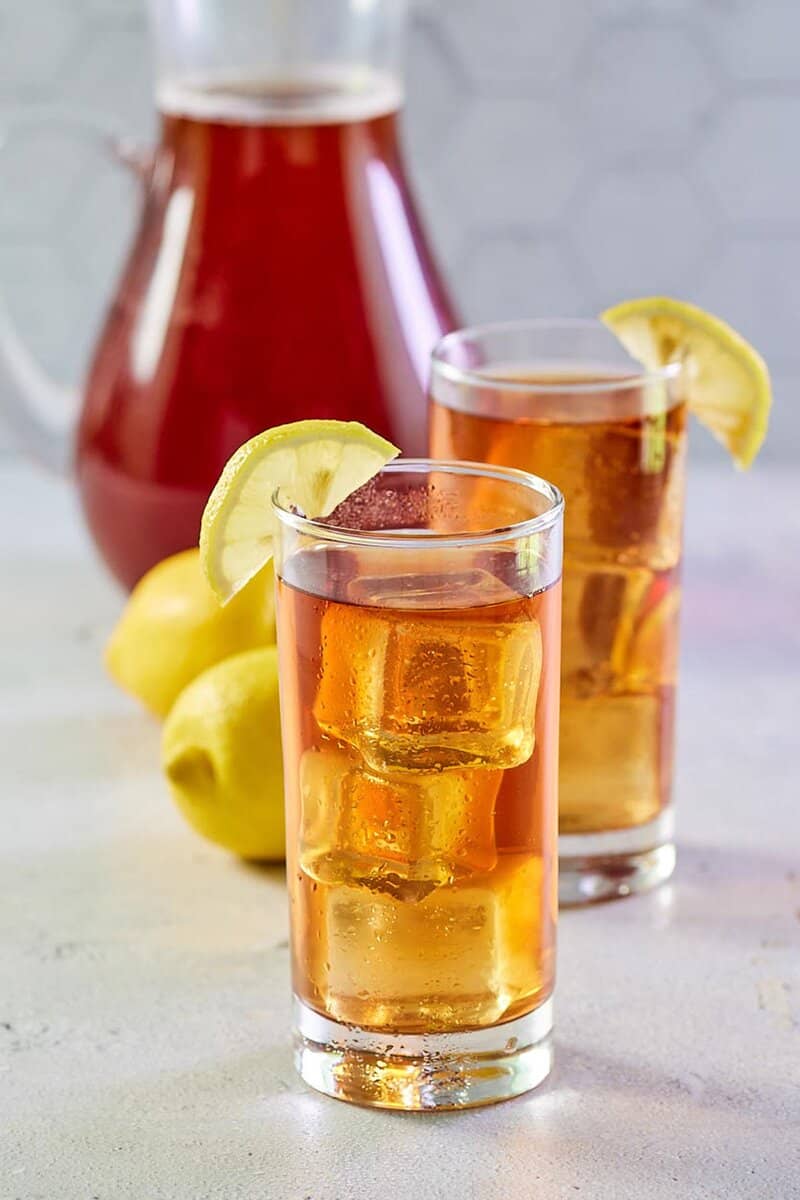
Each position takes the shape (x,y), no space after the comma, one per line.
(279,270)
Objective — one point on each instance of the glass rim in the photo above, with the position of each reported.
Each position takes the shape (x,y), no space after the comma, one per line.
(483,378)
(415,539)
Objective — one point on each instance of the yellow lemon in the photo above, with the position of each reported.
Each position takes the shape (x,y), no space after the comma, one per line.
(725,380)
(221,754)
(315,465)
(653,654)
(173,628)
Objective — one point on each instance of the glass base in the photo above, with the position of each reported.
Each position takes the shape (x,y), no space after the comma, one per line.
(417,1072)
(604,866)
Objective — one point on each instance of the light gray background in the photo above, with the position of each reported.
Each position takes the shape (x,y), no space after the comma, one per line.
(568,153)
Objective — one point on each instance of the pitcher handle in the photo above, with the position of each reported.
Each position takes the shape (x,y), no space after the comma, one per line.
(40,411)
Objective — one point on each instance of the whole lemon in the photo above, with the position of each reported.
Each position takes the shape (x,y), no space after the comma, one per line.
(173,628)
(221,753)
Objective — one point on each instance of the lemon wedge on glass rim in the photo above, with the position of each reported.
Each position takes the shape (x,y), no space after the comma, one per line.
(725,380)
(315,465)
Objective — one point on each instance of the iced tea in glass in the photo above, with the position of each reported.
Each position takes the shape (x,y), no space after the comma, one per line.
(418,630)
(563,399)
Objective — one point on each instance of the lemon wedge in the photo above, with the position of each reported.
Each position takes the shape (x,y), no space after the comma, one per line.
(725,380)
(653,653)
(315,465)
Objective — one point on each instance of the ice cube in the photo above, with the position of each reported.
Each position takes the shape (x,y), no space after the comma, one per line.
(615,761)
(600,607)
(321,775)
(425,691)
(461,957)
(443,586)
(404,835)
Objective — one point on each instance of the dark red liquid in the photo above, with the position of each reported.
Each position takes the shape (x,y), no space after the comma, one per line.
(279,272)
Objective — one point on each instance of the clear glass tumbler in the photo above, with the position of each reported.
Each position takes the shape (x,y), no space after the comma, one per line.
(418,630)
(564,399)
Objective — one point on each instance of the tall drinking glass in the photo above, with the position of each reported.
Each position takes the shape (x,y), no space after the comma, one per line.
(564,399)
(418,631)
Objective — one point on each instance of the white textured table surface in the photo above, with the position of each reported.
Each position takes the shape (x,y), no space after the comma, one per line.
(144,994)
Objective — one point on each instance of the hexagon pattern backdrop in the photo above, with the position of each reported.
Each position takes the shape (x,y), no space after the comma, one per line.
(567,153)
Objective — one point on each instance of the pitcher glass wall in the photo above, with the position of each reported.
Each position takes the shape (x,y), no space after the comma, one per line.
(278,271)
